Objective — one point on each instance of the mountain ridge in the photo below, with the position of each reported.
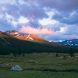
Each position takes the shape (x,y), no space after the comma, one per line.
(10,44)
(27,37)
(70,42)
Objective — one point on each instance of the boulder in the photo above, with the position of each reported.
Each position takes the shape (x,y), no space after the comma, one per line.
(16,68)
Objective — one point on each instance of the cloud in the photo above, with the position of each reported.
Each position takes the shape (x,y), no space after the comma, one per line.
(23,20)
(58,37)
(60,4)
(7,1)
(67,18)
(31,30)
(65,32)
(47,21)
(62,30)
(57,18)
(15,21)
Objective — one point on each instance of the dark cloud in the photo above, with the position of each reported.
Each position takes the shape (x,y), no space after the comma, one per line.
(34,23)
(13,10)
(60,4)
(67,17)
(28,9)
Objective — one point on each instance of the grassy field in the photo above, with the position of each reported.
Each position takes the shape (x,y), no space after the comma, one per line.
(37,74)
(42,65)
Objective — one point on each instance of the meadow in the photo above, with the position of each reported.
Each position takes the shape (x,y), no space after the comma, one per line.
(40,65)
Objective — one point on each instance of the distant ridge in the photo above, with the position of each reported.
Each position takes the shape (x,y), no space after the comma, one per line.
(71,42)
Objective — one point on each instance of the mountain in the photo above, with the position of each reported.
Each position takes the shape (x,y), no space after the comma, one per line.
(72,42)
(9,43)
(30,37)
(27,37)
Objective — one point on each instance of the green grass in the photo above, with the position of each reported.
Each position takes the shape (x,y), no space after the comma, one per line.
(34,65)
(36,74)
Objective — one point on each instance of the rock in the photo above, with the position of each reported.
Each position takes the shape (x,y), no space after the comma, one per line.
(16,68)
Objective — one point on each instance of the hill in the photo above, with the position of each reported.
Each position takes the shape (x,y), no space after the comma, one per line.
(11,44)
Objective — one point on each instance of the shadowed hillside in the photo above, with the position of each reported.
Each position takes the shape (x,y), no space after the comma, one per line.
(10,44)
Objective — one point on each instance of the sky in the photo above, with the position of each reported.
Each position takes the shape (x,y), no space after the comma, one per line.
(54,20)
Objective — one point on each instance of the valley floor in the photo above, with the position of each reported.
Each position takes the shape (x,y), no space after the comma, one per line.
(37,74)
(40,65)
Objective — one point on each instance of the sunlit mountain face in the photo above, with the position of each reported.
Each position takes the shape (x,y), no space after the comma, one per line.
(26,37)
(52,20)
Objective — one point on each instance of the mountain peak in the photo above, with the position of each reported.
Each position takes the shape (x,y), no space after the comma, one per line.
(27,37)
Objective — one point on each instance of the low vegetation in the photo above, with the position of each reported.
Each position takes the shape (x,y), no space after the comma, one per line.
(40,65)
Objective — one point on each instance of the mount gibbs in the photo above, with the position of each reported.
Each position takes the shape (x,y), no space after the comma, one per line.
(20,43)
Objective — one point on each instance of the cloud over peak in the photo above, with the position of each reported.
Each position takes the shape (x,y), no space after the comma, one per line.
(57,18)
(31,30)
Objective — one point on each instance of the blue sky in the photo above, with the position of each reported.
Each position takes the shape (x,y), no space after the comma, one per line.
(50,19)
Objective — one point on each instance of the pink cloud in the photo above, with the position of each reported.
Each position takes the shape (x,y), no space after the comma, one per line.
(31,30)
